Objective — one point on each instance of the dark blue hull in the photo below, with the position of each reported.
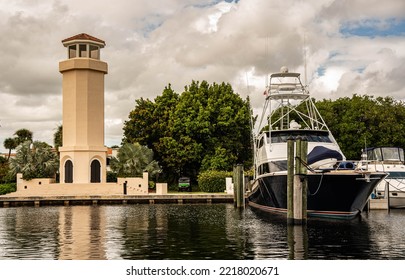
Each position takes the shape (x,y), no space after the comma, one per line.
(332,195)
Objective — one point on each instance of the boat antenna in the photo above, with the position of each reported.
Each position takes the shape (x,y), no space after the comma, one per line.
(267,57)
(305,60)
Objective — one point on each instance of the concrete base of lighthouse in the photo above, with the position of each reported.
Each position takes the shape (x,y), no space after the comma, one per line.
(48,187)
(82,165)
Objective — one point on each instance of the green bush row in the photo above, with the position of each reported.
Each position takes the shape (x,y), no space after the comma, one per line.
(8,188)
(213,181)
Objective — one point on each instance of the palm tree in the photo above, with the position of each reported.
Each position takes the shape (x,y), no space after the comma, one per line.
(133,159)
(58,137)
(23,135)
(10,144)
(34,160)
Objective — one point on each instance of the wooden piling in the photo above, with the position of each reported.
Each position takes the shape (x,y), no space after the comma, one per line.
(235,187)
(297,184)
(290,181)
(300,182)
(238,187)
(304,179)
(387,194)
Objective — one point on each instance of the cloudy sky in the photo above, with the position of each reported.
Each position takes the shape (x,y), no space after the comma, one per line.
(351,46)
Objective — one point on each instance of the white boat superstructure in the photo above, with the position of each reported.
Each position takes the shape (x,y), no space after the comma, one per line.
(292,113)
(389,160)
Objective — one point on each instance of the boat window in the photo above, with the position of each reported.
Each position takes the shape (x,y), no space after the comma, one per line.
(275,139)
(310,136)
(279,165)
(273,166)
(401,154)
(374,154)
(390,154)
(261,142)
(283,138)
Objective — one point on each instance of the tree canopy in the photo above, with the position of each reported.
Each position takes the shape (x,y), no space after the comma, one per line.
(360,121)
(34,160)
(205,127)
(132,160)
(21,136)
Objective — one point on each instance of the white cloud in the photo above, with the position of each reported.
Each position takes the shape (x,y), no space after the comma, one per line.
(153,43)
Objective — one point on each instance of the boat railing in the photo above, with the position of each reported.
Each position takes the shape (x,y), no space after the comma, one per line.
(345,165)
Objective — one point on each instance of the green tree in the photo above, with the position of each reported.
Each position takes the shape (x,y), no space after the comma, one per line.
(58,137)
(132,160)
(10,144)
(205,121)
(3,169)
(23,135)
(34,160)
(360,121)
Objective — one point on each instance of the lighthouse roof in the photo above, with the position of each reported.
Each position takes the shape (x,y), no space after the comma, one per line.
(83,37)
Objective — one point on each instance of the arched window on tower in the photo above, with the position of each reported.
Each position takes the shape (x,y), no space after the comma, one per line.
(95,167)
(68,171)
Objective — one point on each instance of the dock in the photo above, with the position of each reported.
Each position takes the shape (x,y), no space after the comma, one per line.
(36,201)
(378,204)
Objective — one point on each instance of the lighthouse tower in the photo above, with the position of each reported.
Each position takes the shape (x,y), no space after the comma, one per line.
(83,154)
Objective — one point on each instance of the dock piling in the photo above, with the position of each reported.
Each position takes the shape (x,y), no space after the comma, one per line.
(290,181)
(297,185)
(387,194)
(239,193)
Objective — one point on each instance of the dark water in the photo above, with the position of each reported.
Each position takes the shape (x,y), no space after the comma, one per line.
(192,232)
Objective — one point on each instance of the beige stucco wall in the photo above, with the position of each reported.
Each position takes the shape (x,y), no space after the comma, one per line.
(47,187)
(135,185)
(83,117)
(82,158)
(23,185)
(83,102)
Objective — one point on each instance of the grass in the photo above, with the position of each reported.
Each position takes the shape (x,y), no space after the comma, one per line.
(7,188)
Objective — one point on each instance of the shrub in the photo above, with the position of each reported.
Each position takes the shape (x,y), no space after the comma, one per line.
(213,181)
(111,177)
(8,188)
(152,185)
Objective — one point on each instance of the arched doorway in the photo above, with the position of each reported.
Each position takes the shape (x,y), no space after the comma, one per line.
(68,171)
(95,167)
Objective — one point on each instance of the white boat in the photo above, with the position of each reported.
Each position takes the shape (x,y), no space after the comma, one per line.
(336,188)
(391,161)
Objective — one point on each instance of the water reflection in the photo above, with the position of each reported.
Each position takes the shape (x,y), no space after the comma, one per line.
(297,242)
(192,232)
(81,233)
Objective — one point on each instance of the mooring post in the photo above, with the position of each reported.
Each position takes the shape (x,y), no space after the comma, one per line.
(304,179)
(235,187)
(290,180)
(297,184)
(387,194)
(239,194)
(125,187)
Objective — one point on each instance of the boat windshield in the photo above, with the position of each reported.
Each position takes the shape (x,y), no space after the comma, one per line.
(386,154)
(308,135)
